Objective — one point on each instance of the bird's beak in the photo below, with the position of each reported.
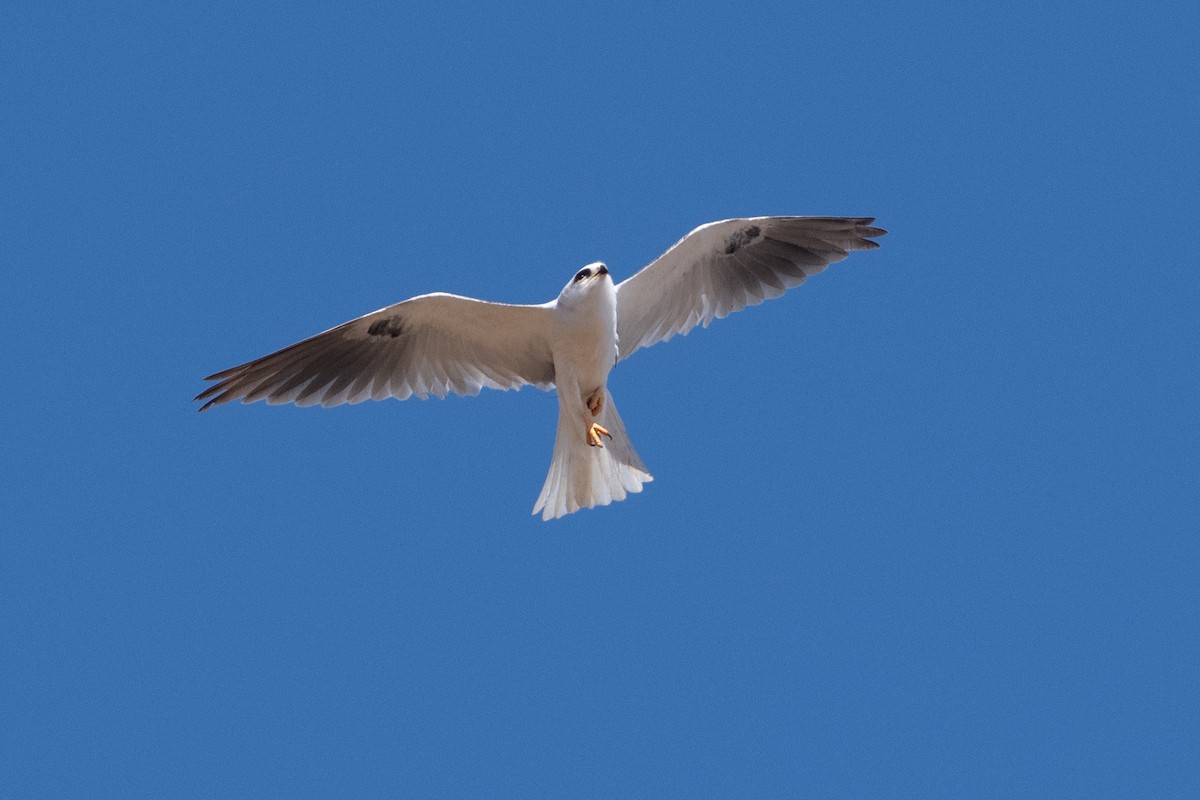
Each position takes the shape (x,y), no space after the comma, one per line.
(602,271)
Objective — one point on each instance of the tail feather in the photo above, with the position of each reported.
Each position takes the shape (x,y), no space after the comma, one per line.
(582,476)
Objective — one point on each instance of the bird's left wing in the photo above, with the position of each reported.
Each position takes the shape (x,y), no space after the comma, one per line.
(725,266)
(432,344)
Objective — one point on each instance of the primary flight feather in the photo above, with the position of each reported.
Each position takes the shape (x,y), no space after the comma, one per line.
(442,343)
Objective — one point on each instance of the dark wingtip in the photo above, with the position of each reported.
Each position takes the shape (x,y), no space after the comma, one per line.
(219,400)
(208,393)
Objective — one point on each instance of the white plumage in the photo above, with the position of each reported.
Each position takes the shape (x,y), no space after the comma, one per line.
(442,343)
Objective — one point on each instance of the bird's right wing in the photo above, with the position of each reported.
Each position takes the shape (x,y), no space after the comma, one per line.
(725,266)
(433,344)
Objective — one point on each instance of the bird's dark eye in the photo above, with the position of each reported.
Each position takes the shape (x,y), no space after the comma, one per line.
(583,273)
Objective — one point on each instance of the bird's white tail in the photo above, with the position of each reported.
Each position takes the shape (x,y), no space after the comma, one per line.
(582,476)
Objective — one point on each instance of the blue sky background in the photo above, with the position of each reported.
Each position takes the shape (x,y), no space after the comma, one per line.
(926,526)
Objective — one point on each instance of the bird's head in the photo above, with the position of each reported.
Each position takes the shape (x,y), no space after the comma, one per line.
(585,281)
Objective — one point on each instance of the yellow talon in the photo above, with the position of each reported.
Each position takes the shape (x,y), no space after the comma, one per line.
(595,431)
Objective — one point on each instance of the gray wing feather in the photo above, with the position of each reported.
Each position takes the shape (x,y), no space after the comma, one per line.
(722,267)
(433,344)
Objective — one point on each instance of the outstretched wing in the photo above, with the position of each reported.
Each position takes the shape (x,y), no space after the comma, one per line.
(725,266)
(432,344)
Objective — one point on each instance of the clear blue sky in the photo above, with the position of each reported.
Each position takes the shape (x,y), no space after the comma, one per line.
(925,527)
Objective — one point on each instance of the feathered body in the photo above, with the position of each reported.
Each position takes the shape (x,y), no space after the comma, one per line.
(585,350)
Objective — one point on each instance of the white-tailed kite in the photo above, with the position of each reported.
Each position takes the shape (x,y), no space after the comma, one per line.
(440,343)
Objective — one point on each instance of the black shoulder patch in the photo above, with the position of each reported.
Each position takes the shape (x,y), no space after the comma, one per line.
(388,326)
(740,239)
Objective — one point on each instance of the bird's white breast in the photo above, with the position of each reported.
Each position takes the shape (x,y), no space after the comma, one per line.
(585,340)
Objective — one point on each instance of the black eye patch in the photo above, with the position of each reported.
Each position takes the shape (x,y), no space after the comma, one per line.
(583,273)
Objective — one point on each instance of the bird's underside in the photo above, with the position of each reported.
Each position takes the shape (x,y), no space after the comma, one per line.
(438,344)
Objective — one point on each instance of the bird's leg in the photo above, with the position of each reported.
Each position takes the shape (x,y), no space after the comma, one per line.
(595,404)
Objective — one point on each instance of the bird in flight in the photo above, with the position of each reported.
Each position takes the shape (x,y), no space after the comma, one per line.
(441,343)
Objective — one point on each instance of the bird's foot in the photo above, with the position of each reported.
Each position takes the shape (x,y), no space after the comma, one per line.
(595,402)
(594,433)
